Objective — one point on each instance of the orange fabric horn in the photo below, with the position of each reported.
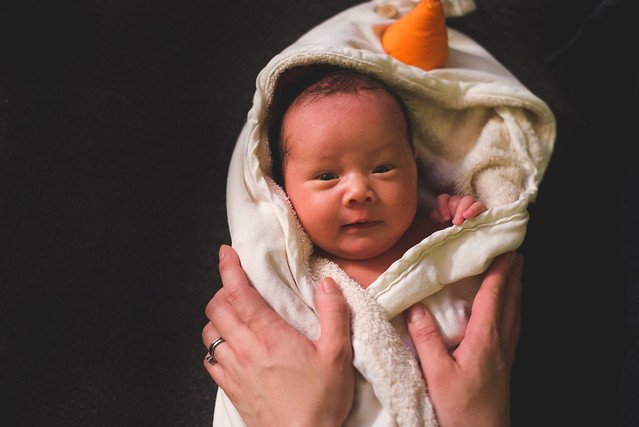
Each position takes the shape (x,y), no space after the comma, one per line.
(419,38)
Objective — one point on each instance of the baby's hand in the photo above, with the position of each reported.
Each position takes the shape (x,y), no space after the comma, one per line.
(458,208)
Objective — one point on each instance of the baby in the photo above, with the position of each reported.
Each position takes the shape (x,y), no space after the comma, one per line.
(342,150)
(341,147)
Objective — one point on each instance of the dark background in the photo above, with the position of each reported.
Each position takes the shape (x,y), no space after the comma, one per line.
(117,121)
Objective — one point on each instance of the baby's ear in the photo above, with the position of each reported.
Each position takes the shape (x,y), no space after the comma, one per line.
(419,38)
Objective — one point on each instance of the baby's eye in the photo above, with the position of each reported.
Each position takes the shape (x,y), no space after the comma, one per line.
(326,176)
(381,169)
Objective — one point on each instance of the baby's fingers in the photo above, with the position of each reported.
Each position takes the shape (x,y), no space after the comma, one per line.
(473,210)
(465,208)
(442,212)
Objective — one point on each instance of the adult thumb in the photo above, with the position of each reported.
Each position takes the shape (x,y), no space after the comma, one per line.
(335,322)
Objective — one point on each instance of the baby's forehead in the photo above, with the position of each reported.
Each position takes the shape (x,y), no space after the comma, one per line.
(327,111)
(363,96)
(315,101)
(347,83)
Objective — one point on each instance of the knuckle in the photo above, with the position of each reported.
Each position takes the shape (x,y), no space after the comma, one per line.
(205,332)
(267,324)
(233,294)
(213,302)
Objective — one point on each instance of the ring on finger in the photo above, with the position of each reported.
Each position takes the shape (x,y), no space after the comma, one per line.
(211,356)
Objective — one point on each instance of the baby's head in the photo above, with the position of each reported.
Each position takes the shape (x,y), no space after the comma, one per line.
(344,156)
(324,81)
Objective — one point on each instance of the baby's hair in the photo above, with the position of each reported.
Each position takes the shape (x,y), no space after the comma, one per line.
(314,83)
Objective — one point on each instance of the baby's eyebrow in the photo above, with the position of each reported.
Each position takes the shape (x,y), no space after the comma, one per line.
(327,157)
(387,147)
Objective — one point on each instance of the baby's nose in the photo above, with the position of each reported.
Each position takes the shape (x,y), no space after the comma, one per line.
(358,191)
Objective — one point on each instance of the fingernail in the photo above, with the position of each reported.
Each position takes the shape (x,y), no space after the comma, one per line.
(222,252)
(416,313)
(329,287)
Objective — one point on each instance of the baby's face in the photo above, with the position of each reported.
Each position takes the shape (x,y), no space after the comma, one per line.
(350,172)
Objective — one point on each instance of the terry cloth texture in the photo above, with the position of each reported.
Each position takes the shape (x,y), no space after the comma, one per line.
(477,130)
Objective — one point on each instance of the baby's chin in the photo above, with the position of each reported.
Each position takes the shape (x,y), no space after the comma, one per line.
(357,252)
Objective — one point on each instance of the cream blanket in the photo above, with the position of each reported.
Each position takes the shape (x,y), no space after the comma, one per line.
(477,130)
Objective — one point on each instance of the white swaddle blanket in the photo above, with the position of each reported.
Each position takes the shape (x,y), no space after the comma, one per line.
(476,130)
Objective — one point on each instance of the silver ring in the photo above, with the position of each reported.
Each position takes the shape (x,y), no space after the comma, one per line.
(211,356)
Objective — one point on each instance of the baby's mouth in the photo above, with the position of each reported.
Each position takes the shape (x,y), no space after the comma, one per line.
(361,225)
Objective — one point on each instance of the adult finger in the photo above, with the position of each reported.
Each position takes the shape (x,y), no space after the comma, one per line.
(224,366)
(485,318)
(245,300)
(427,339)
(211,335)
(214,368)
(227,323)
(222,314)
(217,374)
(334,317)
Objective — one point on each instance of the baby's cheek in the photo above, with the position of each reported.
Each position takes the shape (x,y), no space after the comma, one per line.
(312,221)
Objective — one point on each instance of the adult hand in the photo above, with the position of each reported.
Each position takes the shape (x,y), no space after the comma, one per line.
(272,373)
(473,382)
